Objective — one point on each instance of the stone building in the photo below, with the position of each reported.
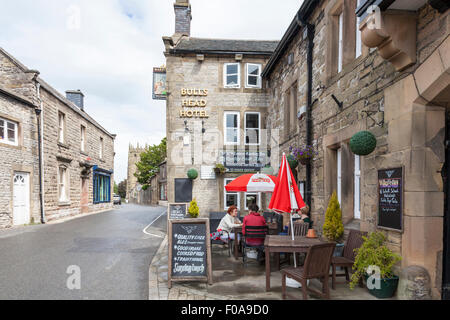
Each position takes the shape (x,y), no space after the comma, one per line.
(77,153)
(216,111)
(134,156)
(341,69)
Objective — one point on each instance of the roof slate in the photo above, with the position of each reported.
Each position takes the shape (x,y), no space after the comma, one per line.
(201,45)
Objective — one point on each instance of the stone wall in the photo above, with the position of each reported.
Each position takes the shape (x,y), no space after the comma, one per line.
(134,156)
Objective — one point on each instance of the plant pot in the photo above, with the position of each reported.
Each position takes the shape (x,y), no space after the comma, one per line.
(339,250)
(387,289)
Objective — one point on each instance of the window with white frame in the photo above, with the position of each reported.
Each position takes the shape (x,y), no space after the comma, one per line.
(339,175)
(252,128)
(253,79)
(252,198)
(83,139)
(358,45)
(340,41)
(9,132)
(231,198)
(63,182)
(357,194)
(231,125)
(61,126)
(101,149)
(232,76)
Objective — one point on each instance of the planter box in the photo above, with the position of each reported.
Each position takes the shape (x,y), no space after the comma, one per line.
(387,288)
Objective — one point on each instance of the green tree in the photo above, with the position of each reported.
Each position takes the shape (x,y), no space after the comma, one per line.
(122,189)
(333,228)
(116,188)
(147,167)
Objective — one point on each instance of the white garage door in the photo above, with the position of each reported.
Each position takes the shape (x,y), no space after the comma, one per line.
(21,198)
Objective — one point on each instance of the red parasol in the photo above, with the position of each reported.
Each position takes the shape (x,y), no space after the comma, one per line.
(253,183)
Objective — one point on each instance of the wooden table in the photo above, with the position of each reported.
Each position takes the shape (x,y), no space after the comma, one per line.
(277,244)
(273,229)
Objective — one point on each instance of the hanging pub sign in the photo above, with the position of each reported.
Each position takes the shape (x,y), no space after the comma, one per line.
(159,84)
(189,251)
(177,211)
(390,199)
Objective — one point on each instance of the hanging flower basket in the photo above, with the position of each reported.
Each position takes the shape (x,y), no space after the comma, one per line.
(303,155)
(220,169)
(192,174)
(363,143)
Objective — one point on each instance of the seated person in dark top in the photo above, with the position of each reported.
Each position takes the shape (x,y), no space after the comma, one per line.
(254,219)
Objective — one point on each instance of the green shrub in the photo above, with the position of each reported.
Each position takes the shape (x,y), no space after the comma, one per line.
(192,174)
(194,210)
(374,252)
(333,228)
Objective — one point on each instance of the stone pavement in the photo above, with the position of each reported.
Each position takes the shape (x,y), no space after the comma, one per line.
(232,282)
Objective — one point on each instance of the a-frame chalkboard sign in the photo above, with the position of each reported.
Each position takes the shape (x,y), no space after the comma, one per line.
(189,251)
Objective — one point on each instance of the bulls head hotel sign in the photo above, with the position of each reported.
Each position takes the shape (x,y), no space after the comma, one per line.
(194,103)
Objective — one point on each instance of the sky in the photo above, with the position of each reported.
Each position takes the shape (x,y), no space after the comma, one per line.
(108,48)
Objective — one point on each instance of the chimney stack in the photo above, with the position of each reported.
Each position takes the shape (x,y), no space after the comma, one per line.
(183,17)
(76,97)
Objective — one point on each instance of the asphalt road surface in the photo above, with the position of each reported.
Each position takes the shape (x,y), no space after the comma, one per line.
(106,256)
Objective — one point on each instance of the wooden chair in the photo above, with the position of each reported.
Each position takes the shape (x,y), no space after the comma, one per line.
(253,232)
(354,241)
(317,266)
(300,229)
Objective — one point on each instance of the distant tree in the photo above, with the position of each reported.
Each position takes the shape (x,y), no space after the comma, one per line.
(147,167)
(116,188)
(122,189)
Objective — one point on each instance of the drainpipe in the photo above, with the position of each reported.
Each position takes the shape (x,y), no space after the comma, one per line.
(39,122)
(310,35)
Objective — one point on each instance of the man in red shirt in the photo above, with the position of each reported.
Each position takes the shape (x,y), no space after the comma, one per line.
(254,219)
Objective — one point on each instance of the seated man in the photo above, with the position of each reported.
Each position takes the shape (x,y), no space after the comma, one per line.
(254,219)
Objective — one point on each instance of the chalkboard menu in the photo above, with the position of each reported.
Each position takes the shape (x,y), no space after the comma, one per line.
(189,251)
(177,211)
(390,198)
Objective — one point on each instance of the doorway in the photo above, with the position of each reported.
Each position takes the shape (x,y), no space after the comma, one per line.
(21,198)
(446,178)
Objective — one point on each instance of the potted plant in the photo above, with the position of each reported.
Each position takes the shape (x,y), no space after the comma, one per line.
(194,210)
(303,154)
(220,169)
(363,143)
(374,253)
(333,228)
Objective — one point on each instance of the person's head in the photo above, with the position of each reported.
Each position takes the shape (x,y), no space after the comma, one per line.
(232,211)
(253,207)
(305,211)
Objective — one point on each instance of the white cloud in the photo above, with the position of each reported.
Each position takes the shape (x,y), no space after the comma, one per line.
(111,55)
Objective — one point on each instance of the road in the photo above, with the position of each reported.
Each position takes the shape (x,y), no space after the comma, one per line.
(110,250)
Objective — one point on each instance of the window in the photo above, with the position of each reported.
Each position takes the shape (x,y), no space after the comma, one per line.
(100,154)
(63,183)
(253,76)
(231,198)
(163,192)
(83,139)
(232,77)
(340,41)
(358,45)
(291,110)
(102,187)
(231,126)
(61,126)
(357,202)
(339,175)
(252,128)
(252,198)
(9,132)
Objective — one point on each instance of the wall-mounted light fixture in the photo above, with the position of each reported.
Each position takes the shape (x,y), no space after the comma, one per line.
(339,103)
(203,127)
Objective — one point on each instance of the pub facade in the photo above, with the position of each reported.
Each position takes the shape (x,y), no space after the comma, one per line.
(216,114)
